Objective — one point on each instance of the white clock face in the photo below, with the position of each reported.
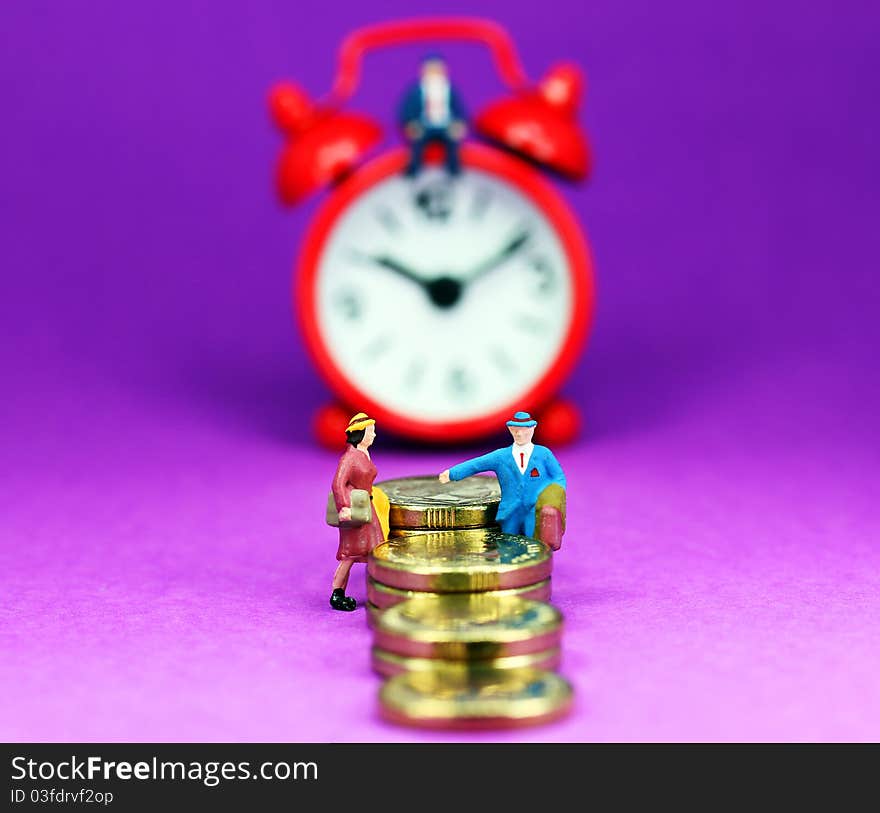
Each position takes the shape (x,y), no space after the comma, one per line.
(443,299)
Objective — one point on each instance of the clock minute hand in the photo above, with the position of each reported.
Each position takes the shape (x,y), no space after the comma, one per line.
(496,260)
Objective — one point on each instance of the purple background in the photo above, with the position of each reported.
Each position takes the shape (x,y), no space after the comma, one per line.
(164,566)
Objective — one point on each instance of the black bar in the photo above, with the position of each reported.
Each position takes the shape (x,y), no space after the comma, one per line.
(386,777)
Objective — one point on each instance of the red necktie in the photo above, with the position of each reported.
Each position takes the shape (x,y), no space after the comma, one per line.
(522,460)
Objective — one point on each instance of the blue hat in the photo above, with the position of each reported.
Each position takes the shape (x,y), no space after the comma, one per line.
(522,419)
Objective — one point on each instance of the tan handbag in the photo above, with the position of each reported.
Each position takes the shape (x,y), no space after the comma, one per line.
(361,511)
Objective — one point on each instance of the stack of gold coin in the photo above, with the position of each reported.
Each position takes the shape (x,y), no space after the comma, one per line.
(475,630)
(473,560)
(469,700)
(443,539)
(462,628)
(470,660)
(424,503)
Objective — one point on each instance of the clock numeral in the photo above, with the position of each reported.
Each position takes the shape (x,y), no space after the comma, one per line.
(414,374)
(388,219)
(546,275)
(377,346)
(461,383)
(480,203)
(434,200)
(350,305)
(502,360)
(531,324)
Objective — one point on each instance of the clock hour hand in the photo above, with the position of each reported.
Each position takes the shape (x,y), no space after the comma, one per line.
(498,259)
(396,266)
(443,291)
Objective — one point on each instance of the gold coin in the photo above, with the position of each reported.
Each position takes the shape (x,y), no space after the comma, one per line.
(381,596)
(389,664)
(373,613)
(395,533)
(460,561)
(486,698)
(468,626)
(425,502)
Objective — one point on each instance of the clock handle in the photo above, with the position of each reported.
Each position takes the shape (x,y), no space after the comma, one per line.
(400,32)
(537,120)
(324,145)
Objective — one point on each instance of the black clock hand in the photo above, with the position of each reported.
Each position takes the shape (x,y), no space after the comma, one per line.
(498,259)
(444,291)
(398,268)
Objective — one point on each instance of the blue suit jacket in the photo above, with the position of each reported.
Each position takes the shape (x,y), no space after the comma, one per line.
(519,492)
(412,107)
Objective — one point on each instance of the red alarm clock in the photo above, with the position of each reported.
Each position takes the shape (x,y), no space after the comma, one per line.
(440,305)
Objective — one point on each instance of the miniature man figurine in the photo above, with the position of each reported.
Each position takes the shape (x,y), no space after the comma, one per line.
(432,111)
(357,535)
(532,484)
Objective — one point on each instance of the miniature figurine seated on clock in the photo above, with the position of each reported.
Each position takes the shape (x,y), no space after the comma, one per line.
(532,484)
(431,111)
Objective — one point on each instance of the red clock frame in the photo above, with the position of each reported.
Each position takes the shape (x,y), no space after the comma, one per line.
(534,187)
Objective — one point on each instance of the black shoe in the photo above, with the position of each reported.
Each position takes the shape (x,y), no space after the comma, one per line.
(340,601)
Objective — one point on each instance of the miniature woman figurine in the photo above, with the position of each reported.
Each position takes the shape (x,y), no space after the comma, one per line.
(356,538)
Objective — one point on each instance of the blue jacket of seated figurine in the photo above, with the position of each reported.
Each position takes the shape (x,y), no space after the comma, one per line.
(519,491)
(412,106)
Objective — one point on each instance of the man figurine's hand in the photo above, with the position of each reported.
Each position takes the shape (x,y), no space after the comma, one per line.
(344,514)
(444,476)
(413,130)
(457,130)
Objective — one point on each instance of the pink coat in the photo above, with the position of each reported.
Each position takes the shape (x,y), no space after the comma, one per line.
(355,470)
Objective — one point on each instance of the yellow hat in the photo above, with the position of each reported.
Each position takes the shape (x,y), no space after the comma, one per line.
(359,421)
